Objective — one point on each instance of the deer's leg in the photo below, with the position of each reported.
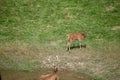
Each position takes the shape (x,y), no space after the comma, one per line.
(68,45)
(80,44)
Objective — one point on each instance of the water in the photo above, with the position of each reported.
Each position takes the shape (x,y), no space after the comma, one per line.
(63,75)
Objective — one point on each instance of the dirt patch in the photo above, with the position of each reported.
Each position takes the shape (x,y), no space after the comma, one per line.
(55,43)
(116,28)
(110,8)
(63,75)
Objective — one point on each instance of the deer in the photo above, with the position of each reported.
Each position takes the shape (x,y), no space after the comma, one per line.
(52,76)
(75,36)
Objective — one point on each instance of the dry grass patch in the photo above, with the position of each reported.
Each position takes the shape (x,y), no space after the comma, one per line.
(116,28)
(110,8)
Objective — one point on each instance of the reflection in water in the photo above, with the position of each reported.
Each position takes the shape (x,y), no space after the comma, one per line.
(63,75)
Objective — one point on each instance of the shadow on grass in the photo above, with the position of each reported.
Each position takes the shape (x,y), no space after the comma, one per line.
(82,46)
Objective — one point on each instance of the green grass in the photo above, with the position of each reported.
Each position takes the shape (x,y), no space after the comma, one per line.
(32,31)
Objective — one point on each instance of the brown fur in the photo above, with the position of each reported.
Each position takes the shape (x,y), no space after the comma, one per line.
(75,36)
(52,76)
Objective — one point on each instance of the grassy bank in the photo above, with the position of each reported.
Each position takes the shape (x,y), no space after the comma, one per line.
(33,35)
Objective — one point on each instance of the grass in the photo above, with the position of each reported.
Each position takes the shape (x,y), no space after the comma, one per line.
(33,35)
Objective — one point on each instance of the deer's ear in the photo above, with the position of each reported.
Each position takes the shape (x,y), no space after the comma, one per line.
(84,33)
(55,69)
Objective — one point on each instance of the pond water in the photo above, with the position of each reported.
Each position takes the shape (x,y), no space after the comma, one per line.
(22,75)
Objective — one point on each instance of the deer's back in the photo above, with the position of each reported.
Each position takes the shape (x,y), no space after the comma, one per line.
(75,36)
